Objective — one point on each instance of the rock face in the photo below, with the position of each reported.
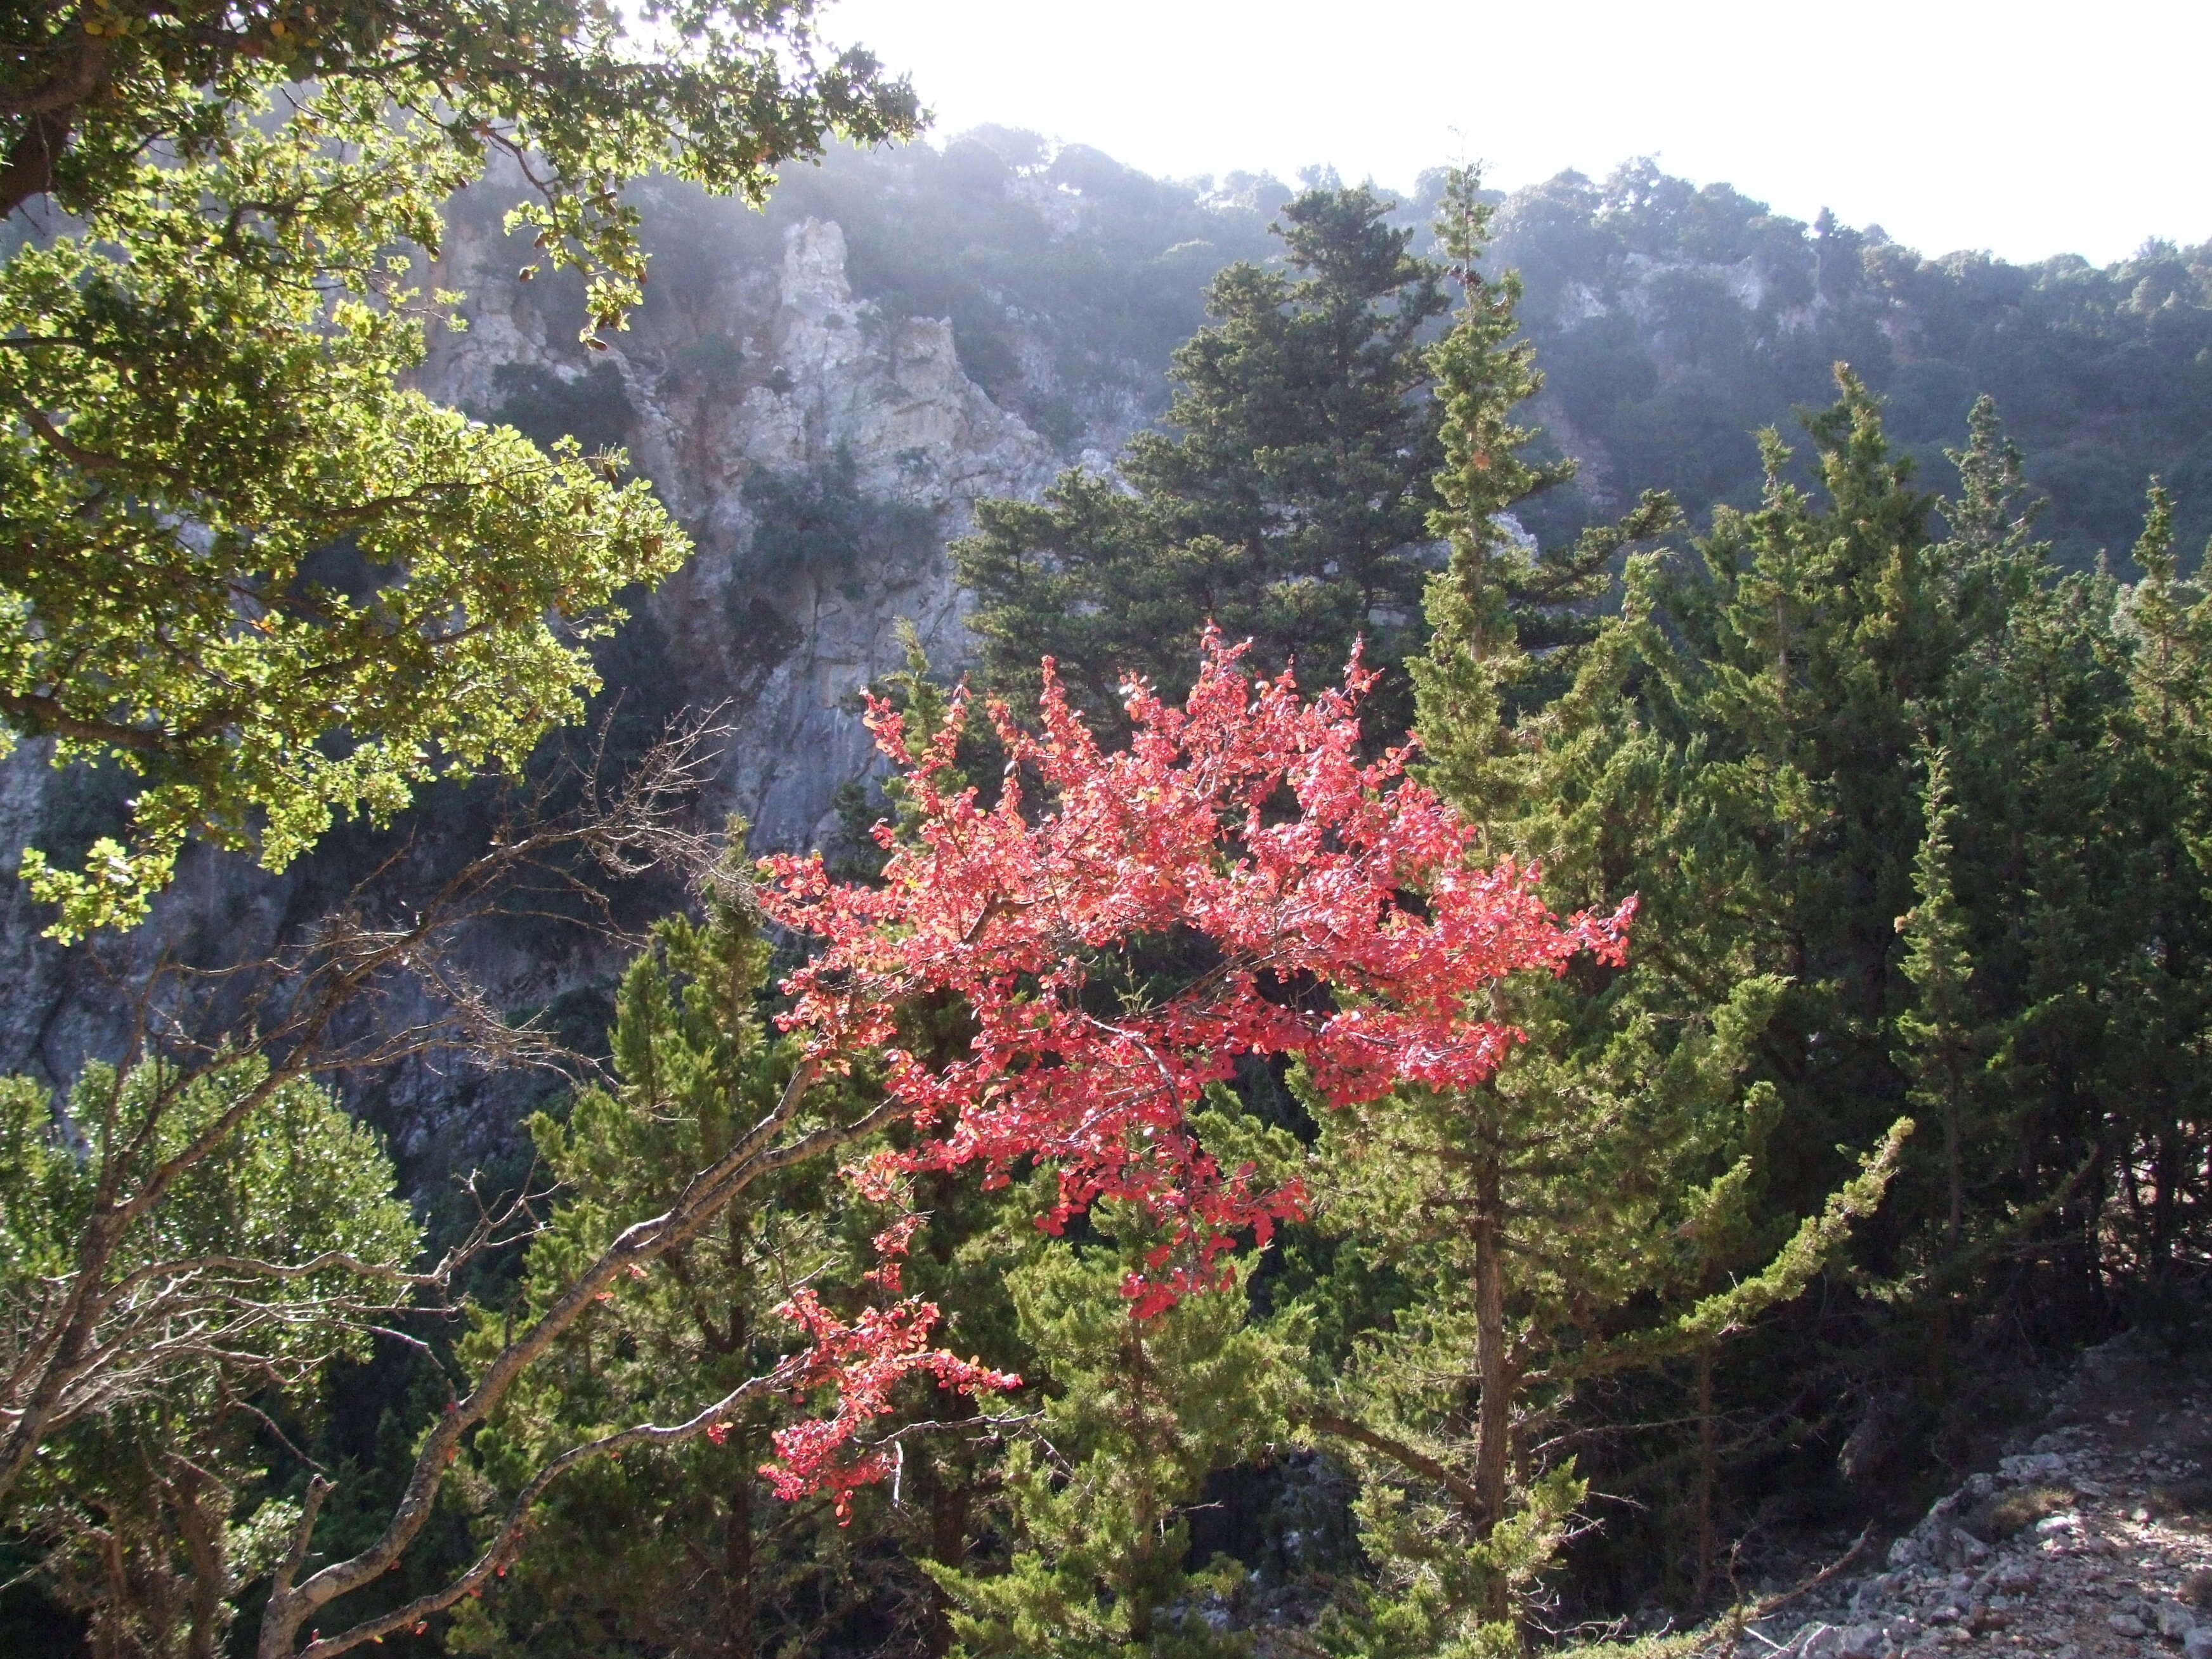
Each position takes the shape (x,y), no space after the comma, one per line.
(820,454)
(784,375)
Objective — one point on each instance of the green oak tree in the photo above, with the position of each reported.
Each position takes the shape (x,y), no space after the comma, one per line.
(585,95)
(241,559)
(137,1467)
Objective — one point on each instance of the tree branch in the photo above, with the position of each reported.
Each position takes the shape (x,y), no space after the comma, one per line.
(1408,1457)
(704,1197)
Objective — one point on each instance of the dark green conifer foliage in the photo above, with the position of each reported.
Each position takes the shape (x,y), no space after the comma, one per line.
(1598,1205)
(2160,984)
(1508,618)
(1287,499)
(686,1548)
(1941,1037)
(1938,795)
(1134,1415)
(2050,960)
(706,1561)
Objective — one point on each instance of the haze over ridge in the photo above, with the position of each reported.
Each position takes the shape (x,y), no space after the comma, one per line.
(2045,132)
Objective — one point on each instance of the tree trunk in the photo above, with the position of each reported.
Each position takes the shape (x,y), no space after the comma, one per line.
(2166,1168)
(1706,1472)
(1954,1223)
(737,1546)
(948,1546)
(1494,1422)
(202,1506)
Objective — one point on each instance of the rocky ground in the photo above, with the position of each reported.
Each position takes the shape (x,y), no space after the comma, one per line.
(2091,1541)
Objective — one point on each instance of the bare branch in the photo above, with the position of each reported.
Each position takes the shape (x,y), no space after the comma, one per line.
(112,1327)
(508,1542)
(1411,1458)
(752,1156)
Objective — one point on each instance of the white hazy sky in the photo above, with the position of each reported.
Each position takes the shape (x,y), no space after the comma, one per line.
(2029,128)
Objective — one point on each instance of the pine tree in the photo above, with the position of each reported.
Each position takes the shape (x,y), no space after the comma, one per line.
(2057,950)
(1286,502)
(1598,1204)
(688,1547)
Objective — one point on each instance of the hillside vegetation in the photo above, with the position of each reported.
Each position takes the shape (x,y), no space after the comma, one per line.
(1673,320)
(1556,944)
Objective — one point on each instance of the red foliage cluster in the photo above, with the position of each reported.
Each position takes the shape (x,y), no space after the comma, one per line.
(1334,908)
(865,1360)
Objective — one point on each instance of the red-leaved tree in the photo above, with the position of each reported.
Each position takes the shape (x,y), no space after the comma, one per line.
(1333,911)
(1325,909)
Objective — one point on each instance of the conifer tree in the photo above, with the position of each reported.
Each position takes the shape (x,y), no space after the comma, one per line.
(1285,501)
(1135,1414)
(1939,1030)
(2164,985)
(710,1560)
(1600,1202)
(1510,619)
(2005,940)
(688,1544)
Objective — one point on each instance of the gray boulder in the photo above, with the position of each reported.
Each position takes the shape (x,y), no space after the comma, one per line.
(2029,1466)
(2175,1621)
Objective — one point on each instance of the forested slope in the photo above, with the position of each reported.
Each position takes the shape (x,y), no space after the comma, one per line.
(1672,319)
(1188,1177)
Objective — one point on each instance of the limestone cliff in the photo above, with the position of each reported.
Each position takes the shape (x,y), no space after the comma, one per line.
(783,374)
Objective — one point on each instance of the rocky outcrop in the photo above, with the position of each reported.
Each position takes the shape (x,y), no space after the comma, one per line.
(2090,1541)
(783,375)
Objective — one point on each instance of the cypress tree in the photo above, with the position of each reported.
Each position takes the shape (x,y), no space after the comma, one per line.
(1596,1206)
